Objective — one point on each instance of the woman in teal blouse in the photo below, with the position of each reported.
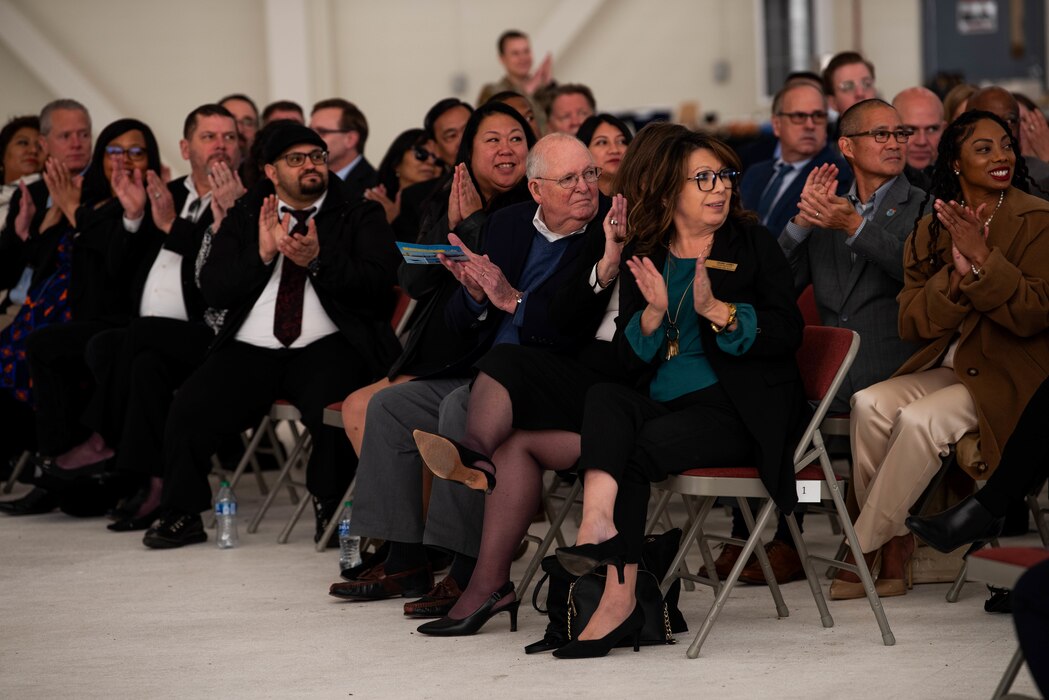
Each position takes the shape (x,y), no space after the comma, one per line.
(707,311)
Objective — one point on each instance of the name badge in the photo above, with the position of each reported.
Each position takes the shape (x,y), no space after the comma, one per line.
(719,265)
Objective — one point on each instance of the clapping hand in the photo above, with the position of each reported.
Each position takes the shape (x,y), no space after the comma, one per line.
(481,277)
(464,199)
(163,204)
(300,249)
(820,206)
(968,233)
(130,190)
(653,288)
(615,231)
(226,189)
(272,228)
(26,212)
(64,189)
(392,206)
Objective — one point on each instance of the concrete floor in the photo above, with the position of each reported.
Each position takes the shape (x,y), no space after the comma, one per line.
(87,613)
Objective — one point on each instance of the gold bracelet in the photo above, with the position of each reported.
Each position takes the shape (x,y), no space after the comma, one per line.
(729,322)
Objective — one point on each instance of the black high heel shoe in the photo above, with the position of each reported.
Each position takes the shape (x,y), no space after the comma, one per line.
(132,523)
(630,628)
(448,627)
(583,558)
(966,522)
(49,468)
(449,460)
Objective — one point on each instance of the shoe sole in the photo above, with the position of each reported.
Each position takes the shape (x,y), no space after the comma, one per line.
(441,458)
(412,593)
(161,543)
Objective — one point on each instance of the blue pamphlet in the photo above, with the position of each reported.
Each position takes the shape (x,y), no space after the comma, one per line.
(419,254)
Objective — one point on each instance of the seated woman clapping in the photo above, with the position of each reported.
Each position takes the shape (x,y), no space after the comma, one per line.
(707,313)
(976,294)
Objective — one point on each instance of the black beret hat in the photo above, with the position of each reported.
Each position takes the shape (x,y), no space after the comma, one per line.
(290,135)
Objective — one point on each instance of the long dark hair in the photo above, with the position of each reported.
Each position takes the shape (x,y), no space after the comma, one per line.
(405,141)
(587,128)
(96,187)
(651,176)
(946,186)
(7,135)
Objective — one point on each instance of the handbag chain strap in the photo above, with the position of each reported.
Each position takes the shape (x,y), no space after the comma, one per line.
(571,607)
(666,625)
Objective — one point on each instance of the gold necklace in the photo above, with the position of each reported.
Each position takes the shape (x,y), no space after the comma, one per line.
(672,333)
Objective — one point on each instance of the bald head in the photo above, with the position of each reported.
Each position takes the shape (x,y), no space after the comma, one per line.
(922,112)
(997,101)
(546,147)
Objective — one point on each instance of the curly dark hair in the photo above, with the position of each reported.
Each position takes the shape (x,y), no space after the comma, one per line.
(945,184)
(652,174)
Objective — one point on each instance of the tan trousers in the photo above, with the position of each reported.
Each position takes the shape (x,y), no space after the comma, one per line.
(900,430)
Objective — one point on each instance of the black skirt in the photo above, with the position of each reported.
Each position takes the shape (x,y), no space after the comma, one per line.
(547,389)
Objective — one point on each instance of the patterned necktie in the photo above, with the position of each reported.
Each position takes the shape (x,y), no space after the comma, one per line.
(287,316)
(768,197)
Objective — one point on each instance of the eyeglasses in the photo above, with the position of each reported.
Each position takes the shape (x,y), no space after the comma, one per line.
(321,131)
(422,155)
(590,175)
(296,158)
(706,180)
(801,117)
(882,136)
(850,85)
(135,153)
(248,122)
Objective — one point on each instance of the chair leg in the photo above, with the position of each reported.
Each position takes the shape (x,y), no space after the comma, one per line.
(959,581)
(1010,675)
(1039,518)
(719,601)
(348,496)
(289,463)
(843,549)
(810,572)
(657,512)
(548,539)
(763,560)
(20,466)
(677,565)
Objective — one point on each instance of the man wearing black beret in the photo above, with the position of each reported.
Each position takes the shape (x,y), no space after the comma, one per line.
(306,277)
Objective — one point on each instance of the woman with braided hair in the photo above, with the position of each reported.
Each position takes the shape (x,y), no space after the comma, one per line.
(976,293)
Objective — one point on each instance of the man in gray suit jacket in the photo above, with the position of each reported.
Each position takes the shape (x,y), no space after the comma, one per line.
(851,248)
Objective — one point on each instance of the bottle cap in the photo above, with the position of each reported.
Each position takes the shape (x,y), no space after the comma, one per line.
(347,504)
(223,483)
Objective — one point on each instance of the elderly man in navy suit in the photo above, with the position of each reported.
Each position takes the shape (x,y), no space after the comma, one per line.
(799,120)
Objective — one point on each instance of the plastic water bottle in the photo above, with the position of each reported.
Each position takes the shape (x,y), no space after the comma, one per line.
(349,545)
(226,517)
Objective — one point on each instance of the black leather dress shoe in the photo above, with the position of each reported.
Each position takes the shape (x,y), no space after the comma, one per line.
(35,502)
(175,530)
(966,522)
(132,523)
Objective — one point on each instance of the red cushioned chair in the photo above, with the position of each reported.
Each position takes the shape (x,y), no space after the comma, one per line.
(1002,567)
(824,358)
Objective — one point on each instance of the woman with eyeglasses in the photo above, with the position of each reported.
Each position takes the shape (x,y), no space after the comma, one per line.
(407,162)
(81,285)
(976,295)
(607,137)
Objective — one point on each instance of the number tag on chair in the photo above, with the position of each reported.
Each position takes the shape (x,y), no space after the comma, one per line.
(809,491)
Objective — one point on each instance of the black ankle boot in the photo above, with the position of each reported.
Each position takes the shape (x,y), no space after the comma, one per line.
(966,522)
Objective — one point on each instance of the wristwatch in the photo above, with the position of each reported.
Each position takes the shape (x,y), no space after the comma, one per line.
(314,266)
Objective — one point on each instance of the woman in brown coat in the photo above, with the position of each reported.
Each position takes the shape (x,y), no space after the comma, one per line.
(976,293)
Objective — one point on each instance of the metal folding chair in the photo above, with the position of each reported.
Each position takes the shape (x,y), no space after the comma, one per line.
(553,533)
(20,465)
(824,359)
(299,454)
(1002,567)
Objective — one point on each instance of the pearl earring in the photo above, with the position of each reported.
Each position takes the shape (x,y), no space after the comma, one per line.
(957,172)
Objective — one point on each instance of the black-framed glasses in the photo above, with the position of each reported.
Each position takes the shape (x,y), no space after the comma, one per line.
(422,155)
(296,158)
(707,179)
(590,176)
(882,135)
(817,117)
(135,153)
(850,85)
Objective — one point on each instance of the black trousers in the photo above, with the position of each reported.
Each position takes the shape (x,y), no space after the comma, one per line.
(638,440)
(137,371)
(61,382)
(1031,616)
(233,388)
(1025,458)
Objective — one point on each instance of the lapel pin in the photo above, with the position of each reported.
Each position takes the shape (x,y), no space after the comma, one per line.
(890,212)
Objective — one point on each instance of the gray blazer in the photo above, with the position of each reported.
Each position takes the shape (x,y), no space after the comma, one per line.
(861,295)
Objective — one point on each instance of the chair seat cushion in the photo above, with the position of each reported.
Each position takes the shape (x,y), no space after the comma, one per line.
(1016,556)
(809,473)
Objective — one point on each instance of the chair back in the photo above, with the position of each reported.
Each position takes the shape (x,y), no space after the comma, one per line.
(401,311)
(824,358)
(807,305)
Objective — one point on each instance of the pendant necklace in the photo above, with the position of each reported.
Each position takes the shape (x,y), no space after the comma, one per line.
(672,332)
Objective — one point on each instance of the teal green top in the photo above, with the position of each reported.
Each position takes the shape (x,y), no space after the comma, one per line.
(690,369)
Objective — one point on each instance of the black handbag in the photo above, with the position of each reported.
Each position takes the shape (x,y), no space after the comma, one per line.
(570,601)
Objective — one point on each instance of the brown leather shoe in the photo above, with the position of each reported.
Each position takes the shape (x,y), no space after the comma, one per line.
(376,584)
(726,560)
(437,602)
(785,563)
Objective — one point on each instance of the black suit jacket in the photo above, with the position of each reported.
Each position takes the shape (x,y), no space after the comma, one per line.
(15,253)
(757,178)
(763,383)
(356,270)
(508,241)
(184,238)
(362,177)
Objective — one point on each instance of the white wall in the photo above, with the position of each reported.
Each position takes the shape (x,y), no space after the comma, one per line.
(156,60)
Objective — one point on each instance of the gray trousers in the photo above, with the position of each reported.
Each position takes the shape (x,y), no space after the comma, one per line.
(387,503)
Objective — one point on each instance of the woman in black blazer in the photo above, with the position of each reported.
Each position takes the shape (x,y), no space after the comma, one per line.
(707,315)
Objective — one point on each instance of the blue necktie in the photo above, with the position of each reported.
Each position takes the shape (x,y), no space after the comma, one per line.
(768,197)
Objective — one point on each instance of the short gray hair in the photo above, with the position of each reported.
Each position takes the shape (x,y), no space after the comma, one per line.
(535,166)
(65,103)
